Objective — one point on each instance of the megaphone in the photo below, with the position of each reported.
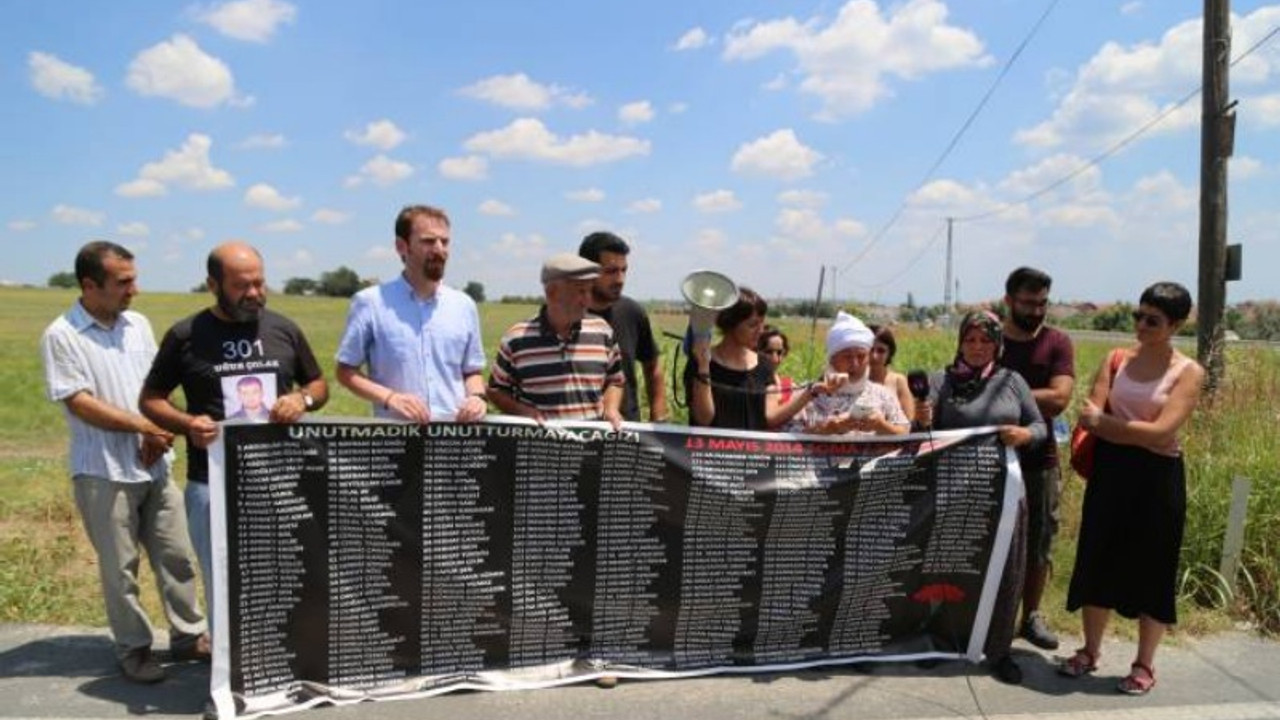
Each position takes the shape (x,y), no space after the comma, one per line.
(708,292)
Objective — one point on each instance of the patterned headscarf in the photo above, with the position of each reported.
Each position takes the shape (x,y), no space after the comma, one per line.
(967,381)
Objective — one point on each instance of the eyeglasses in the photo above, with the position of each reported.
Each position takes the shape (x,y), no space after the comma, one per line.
(1151,320)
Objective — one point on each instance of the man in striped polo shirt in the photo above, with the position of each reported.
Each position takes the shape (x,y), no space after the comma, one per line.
(561,364)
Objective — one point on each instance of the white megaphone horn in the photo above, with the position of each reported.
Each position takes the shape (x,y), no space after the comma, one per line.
(708,292)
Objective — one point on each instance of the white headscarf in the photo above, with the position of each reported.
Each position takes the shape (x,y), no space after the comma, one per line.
(849,332)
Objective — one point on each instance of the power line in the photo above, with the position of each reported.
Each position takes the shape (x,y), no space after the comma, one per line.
(959,134)
(914,260)
(1124,142)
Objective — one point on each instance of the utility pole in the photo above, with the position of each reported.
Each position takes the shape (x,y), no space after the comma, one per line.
(946,288)
(1217,131)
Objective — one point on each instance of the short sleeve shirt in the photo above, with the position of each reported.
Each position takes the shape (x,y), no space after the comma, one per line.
(81,355)
(634,335)
(1046,356)
(422,346)
(213,359)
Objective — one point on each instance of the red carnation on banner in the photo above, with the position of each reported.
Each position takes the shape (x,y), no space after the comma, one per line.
(938,593)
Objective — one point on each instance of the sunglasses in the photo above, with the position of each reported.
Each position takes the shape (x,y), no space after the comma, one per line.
(1151,320)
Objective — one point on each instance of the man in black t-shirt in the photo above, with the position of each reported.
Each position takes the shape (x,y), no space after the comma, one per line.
(630,324)
(209,355)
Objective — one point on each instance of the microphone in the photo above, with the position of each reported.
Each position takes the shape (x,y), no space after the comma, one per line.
(918,384)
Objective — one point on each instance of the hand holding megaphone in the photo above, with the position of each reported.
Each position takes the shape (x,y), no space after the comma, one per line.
(918,384)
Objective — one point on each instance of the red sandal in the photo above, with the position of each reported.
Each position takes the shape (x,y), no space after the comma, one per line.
(1078,665)
(1139,681)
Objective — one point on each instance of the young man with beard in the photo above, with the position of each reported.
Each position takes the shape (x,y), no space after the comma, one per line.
(419,338)
(1044,357)
(630,324)
(95,358)
(207,354)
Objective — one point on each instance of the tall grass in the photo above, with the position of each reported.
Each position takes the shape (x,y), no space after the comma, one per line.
(48,574)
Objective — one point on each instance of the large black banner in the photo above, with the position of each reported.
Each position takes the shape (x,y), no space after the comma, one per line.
(358,560)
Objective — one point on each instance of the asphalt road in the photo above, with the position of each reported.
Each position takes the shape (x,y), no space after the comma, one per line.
(49,673)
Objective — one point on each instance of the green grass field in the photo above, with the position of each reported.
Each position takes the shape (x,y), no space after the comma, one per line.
(48,573)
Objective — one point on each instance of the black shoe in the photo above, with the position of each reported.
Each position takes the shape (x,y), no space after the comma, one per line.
(1037,632)
(139,666)
(210,710)
(1007,671)
(198,648)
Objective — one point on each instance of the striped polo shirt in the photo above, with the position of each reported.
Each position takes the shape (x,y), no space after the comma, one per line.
(563,379)
(81,355)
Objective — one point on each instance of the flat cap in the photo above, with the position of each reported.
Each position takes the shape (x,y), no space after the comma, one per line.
(568,266)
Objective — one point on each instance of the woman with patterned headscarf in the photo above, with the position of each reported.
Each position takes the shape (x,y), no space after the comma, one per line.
(974,391)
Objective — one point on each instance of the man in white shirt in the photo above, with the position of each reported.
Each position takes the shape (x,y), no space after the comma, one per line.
(95,358)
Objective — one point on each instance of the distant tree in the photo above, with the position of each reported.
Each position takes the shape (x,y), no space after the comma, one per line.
(475,290)
(300,286)
(911,301)
(1263,323)
(342,282)
(63,280)
(1117,318)
(199,288)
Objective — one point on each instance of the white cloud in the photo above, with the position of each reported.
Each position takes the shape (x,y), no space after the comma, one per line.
(802,198)
(250,20)
(266,197)
(1121,88)
(1131,8)
(845,63)
(263,141)
(1244,168)
(1051,170)
(382,134)
(645,205)
(54,78)
(807,226)
(586,195)
(188,167)
(328,216)
(676,108)
(692,40)
(71,215)
(1264,110)
(636,113)
(529,139)
(520,92)
(21,225)
(381,253)
(779,155)
(495,207)
(179,70)
(779,82)
(381,170)
(515,247)
(470,167)
(288,225)
(711,241)
(133,229)
(717,201)
(141,187)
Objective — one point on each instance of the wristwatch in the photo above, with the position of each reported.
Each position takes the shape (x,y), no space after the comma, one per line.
(307,400)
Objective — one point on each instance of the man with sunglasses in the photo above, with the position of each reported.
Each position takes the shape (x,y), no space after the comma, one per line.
(1045,358)
(630,323)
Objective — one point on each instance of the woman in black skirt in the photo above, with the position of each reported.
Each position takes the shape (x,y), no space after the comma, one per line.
(1135,503)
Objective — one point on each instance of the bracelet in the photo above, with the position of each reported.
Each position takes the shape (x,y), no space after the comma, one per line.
(386,401)
(704,378)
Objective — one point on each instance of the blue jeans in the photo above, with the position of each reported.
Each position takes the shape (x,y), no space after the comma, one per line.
(199,525)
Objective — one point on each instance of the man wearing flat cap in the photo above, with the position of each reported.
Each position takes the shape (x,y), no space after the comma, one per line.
(561,364)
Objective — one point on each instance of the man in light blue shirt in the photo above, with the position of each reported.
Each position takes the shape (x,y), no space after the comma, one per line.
(95,358)
(412,346)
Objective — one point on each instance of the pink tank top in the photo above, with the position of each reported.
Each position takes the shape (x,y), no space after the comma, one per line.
(1143,401)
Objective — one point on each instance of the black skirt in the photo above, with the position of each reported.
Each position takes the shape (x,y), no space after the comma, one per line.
(1135,508)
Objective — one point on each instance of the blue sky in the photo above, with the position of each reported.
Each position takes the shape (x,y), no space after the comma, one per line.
(762,139)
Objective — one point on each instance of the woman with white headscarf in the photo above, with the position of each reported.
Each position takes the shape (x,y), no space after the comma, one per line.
(854,405)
